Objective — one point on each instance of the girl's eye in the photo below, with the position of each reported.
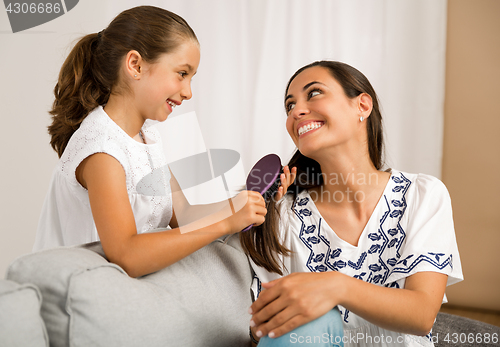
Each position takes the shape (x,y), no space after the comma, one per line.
(289,107)
(183,74)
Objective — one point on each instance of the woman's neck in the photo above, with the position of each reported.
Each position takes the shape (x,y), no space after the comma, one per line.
(350,181)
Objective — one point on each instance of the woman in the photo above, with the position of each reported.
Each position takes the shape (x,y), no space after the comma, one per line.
(379,246)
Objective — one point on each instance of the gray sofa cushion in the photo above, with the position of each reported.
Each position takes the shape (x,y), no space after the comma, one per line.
(452,330)
(20,321)
(201,300)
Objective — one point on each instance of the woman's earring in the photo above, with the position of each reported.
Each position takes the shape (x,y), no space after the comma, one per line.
(361,118)
(135,75)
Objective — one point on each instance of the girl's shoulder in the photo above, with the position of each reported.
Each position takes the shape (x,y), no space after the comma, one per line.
(151,131)
(93,128)
(97,134)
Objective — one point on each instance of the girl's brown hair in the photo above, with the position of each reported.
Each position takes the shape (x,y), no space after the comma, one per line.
(91,71)
(262,243)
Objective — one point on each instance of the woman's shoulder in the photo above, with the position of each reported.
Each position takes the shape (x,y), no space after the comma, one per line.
(289,200)
(418,181)
(423,190)
(292,204)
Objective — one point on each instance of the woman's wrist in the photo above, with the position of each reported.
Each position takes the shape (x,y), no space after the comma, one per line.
(339,284)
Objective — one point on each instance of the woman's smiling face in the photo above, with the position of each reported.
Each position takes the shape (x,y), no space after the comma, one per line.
(319,114)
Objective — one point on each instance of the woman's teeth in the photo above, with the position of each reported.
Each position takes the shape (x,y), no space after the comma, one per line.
(171,103)
(309,126)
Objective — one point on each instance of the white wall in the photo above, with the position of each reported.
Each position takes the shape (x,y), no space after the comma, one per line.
(31,61)
(249,50)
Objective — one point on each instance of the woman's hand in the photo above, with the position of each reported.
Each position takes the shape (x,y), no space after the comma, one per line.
(248,208)
(294,300)
(299,298)
(287,178)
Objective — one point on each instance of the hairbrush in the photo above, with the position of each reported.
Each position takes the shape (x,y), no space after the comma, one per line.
(264,177)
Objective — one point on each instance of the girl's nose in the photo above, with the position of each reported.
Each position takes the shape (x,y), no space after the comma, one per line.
(186,92)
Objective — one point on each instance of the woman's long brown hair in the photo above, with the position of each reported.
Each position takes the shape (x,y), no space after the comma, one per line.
(262,243)
(91,71)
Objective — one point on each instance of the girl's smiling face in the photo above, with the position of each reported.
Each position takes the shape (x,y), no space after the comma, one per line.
(319,114)
(166,83)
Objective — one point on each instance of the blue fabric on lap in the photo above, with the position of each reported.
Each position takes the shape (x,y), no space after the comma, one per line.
(325,331)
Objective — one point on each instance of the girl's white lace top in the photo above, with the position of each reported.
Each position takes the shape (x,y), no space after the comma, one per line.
(66,217)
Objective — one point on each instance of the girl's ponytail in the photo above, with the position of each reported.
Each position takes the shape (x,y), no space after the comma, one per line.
(91,73)
(77,92)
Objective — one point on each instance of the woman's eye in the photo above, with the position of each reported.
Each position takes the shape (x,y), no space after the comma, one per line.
(183,74)
(313,93)
(290,107)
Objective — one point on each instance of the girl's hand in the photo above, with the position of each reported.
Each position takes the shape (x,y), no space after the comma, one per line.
(287,178)
(249,208)
(294,300)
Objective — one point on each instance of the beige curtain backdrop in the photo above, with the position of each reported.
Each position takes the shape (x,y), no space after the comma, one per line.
(471,158)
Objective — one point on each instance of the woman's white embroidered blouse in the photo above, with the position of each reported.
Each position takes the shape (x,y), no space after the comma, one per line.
(411,230)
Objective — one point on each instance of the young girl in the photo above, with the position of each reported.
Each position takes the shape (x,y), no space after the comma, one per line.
(379,246)
(140,67)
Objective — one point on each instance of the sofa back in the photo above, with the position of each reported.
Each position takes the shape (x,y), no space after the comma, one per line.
(201,300)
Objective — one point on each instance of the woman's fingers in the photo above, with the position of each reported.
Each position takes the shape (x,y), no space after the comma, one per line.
(265,319)
(293,300)
(287,178)
(265,298)
(293,174)
(282,323)
(270,284)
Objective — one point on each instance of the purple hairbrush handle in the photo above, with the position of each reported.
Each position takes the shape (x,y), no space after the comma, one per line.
(263,175)
(247,228)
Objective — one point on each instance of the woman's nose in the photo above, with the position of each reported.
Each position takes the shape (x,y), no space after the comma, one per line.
(300,110)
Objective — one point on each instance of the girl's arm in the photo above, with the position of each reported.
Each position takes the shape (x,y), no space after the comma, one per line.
(140,254)
(296,299)
(183,213)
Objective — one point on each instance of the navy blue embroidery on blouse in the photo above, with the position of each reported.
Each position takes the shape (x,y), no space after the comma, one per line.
(385,243)
(323,258)
(259,284)
(407,268)
(392,235)
(357,265)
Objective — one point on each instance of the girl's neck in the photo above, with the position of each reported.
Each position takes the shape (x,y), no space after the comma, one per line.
(122,111)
